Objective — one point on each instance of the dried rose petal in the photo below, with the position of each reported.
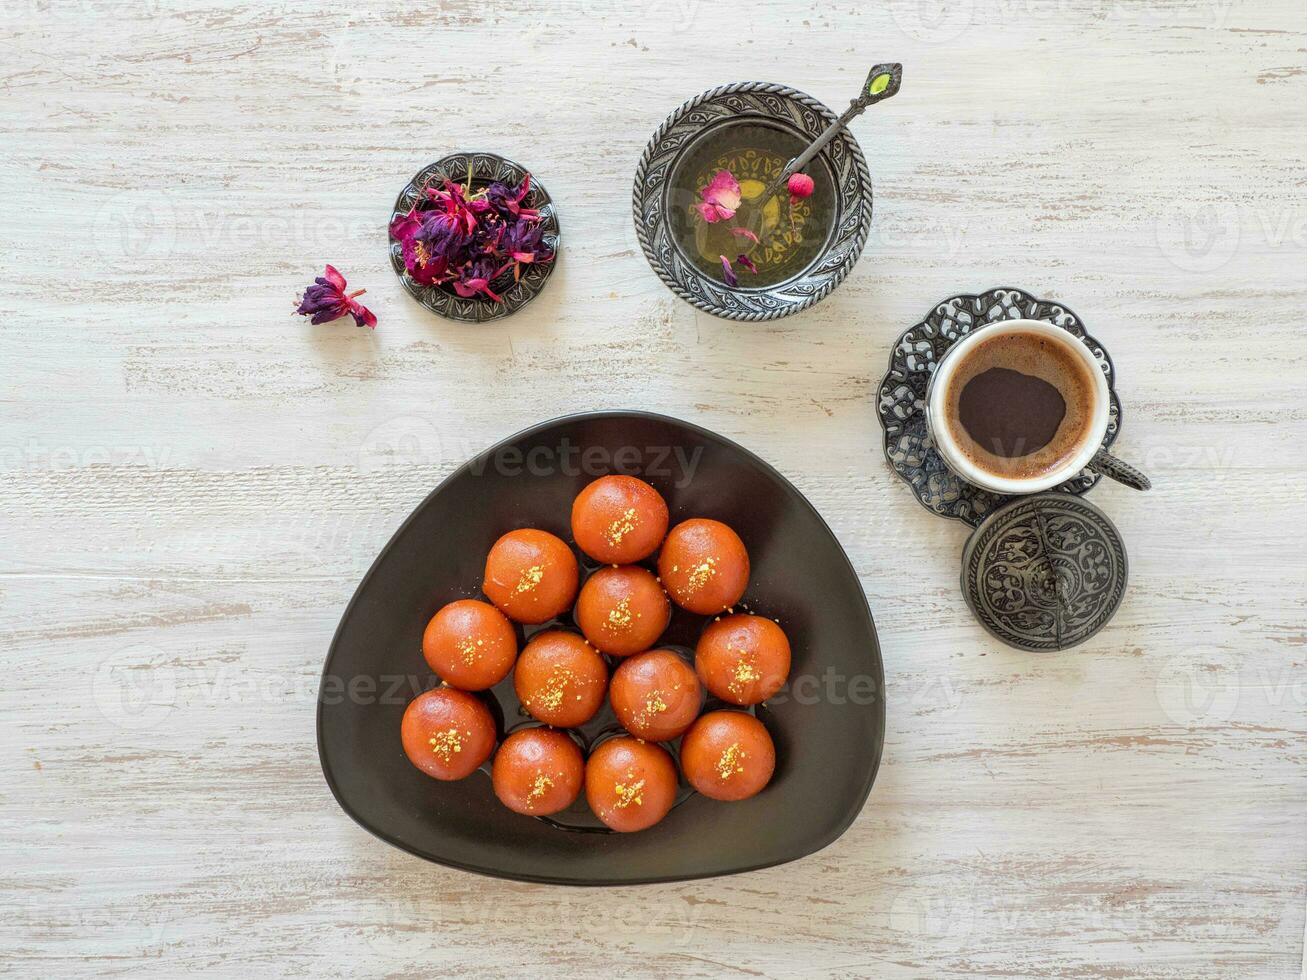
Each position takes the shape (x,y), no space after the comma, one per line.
(465,241)
(728,274)
(326,300)
(800,186)
(721,198)
(742,232)
(747,262)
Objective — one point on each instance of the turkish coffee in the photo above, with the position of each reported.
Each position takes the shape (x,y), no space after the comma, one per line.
(1020,405)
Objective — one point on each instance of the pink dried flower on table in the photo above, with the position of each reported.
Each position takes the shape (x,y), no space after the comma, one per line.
(721,198)
(326,300)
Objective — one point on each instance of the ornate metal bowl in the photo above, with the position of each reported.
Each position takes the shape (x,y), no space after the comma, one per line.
(484,168)
(782,108)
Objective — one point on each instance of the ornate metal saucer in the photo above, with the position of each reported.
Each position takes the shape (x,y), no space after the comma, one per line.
(783,108)
(1045,572)
(483,168)
(902,406)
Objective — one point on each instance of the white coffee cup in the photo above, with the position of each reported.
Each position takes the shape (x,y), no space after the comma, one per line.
(1091,440)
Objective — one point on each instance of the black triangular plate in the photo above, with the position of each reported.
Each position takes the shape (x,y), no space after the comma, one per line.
(828,724)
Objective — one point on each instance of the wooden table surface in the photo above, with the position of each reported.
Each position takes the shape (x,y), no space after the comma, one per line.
(194,480)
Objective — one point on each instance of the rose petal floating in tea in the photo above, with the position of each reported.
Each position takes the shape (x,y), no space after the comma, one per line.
(728,274)
(326,300)
(747,262)
(745,233)
(721,198)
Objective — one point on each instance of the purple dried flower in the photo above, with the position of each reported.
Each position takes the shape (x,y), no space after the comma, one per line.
(728,274)
(326,300)
(466,242)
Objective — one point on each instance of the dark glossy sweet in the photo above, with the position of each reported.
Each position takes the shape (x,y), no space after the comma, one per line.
(560,679)
(629,784)
(470,644)
(538,771)
(447,733)
(704,566)
(728,755)
(531,575)
(743,659)
(619,520)
(622,610)
(655,695)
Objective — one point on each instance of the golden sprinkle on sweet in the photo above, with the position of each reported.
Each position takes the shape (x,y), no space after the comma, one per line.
(619,617)
(628,794)
(468,648)
(531,577)
(623,526)
(541,785)
(446,743)
(701,573)
(550,696)
(729,764)
(654,703)
(744,673)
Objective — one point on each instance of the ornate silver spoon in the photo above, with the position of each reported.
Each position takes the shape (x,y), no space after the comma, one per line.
(882,83)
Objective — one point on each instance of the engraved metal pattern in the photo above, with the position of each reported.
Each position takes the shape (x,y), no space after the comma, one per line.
(1046,572)
(902,402)
(484,168)
(797,111)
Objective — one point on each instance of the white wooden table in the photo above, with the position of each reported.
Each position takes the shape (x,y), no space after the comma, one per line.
(192,489)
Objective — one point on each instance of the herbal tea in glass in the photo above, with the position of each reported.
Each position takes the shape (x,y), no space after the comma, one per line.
(719,221)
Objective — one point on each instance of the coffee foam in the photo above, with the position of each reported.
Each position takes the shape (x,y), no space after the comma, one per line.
(1040,357)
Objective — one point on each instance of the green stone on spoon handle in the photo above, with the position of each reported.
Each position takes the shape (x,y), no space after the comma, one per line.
(882,83)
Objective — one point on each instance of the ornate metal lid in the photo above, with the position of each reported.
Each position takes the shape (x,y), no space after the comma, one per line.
(1045,572)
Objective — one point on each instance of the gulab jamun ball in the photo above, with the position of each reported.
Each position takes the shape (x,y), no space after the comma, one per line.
(470,644)
(531,575)
(619,520)
(728,755)
(538,771)
(622,610)
(704,566)
(743,659)
(447,733)
(629,784)
(560,679)
(655,695)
